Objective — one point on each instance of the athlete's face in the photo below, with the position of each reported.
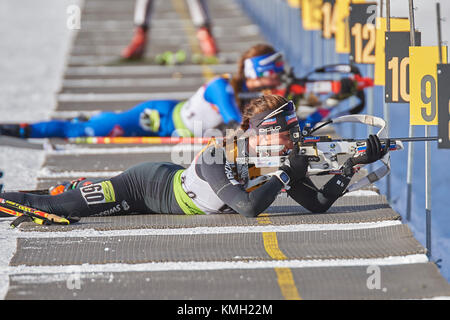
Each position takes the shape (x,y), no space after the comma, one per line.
(280,138)
(271,81)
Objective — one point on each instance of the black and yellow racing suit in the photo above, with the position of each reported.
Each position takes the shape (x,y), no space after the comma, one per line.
(209,185)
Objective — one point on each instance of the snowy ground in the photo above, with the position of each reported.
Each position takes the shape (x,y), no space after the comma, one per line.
(34,44)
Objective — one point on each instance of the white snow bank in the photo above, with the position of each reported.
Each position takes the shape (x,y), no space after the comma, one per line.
(35,41)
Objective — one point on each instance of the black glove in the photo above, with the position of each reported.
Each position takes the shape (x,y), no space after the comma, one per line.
(373,151)
(296,166)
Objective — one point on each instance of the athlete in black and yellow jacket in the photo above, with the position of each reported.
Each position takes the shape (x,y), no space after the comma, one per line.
(211,183)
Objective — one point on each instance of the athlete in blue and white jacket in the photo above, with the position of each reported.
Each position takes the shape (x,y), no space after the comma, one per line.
(214,105)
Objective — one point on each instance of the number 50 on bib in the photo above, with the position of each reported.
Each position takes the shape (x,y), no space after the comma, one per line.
(423,84)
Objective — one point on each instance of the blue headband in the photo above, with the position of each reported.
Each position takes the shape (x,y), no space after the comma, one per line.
(263,66)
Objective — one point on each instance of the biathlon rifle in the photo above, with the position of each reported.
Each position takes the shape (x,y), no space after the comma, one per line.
(325,155)
(306,84)
(339,90)
(342,89)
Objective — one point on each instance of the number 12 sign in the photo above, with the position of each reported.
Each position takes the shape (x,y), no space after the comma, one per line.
(363,33)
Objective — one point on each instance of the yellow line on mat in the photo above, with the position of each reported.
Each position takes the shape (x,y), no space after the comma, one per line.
(271,246)
(284,275)
(182,11)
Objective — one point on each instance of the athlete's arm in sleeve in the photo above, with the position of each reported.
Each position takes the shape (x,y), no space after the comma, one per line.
(220,93)
(231,192)
(320,200)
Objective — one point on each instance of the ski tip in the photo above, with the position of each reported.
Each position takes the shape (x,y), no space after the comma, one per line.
(60,221)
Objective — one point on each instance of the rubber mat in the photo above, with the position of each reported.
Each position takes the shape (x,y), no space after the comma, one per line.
(284,211)
(19,143)
(97,105)
(61,145)
(143,71)
(138,88)
(114,162)
(307,245)
(414,281)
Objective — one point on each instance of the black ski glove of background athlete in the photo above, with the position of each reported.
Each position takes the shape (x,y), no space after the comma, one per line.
(297,167)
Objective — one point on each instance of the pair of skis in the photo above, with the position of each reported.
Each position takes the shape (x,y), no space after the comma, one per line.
(27,214)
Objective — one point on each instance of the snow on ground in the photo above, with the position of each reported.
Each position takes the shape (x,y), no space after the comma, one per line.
(34,44)
(35,40)
(20,167)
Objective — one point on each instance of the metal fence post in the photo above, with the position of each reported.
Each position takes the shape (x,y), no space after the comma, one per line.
(411,128)
(386,114)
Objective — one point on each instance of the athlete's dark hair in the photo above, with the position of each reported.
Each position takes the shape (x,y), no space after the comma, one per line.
(258,105)
(238,79)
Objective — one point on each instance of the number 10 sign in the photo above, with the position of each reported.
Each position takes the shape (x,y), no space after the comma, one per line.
(397,66)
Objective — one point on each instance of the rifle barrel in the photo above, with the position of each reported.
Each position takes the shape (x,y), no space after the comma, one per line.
(414,139)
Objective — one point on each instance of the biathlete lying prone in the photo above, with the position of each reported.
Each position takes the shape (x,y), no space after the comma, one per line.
(210,185)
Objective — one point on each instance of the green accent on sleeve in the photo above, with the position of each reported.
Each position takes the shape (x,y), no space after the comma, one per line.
(181,128)
(108,191)
(186,204)
(155,121)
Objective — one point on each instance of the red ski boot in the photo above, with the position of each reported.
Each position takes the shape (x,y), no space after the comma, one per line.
(207,42)
(136,48)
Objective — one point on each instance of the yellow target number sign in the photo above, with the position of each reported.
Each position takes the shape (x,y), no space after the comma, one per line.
(328,19)
(342,29)
(423,84)
(312,14)
(397,24)
(294,3)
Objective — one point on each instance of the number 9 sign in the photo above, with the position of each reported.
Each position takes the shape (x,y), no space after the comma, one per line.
(423,84)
